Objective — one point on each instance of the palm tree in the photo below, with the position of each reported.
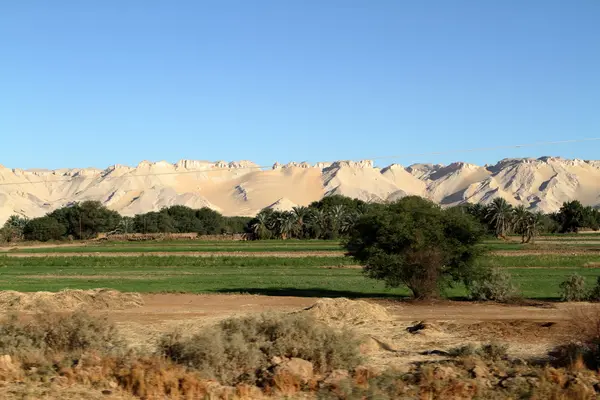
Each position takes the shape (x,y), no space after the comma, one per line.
(261,227)
(286,225)
(499,213)
(317,221)
(336,217)
(532,228)
(522,220)
(301,213)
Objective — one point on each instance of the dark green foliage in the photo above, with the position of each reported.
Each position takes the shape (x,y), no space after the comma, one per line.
(350,204)
(85,220)
(44,229)
(235,224)
(416,243)
(594,293)
(241,349)
(153,222)
(330,218)
(182,219)
(571,216)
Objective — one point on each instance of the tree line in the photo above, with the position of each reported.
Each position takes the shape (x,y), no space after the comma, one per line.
(501,219)
(85,220)
(330,218)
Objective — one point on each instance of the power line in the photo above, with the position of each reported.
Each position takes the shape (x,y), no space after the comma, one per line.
(514,146)
(397,156)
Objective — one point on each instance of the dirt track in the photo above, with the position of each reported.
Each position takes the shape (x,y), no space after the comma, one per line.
(529,330)
(280,254)
(167,306)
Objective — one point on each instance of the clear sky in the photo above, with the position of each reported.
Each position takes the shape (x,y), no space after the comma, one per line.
(87,83)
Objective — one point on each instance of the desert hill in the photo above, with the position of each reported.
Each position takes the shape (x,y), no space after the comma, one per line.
(243,188)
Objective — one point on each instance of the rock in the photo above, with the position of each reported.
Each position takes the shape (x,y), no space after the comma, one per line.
(276,360)
(336,377)
(6,363)
(107,392)
(298,367)
(479,371)
(9,369)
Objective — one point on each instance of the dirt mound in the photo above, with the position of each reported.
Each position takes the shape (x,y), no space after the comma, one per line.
(354,312)
(69,300)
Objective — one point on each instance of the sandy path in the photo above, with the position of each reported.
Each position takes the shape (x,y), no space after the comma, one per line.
(280,254)
(167,306)
(284,254)
(564,252)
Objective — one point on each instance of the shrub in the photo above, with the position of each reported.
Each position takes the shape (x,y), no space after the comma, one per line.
(52,332)
(573,288)
(584,344)
(492,284)
(594,293)
(488,351)
(241,350)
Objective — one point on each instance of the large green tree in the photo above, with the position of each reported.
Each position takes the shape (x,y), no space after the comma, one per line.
(86,219)
(571,216)
(416,243)
(44,229)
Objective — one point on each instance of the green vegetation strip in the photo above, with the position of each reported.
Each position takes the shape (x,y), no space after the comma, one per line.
(268,246)
(203,247)
(536,276)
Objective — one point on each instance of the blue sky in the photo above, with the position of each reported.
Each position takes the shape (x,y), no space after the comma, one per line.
(98,83)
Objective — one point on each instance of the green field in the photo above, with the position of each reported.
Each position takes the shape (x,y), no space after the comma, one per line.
(192,245)
(537,276)
(590,242)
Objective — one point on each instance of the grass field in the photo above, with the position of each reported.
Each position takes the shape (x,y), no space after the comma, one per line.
(537,276)
(587,242)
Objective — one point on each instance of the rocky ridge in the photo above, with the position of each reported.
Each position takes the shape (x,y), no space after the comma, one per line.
(244,188)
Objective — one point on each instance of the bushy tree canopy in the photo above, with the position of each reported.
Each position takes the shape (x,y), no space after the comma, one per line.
(44,229)
(85,220)
(416,243)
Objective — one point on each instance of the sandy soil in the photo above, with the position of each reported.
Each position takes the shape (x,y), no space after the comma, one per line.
(284,254)
(529,330)
(280,254)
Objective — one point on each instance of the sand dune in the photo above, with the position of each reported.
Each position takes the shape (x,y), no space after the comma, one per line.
(243,188)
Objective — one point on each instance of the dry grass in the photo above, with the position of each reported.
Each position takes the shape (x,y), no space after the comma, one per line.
(78,356)
(48,333)
(241,350)
(69,300)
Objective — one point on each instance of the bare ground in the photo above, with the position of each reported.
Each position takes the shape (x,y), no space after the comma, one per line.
(285,254)
(280,254)
(530,331)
